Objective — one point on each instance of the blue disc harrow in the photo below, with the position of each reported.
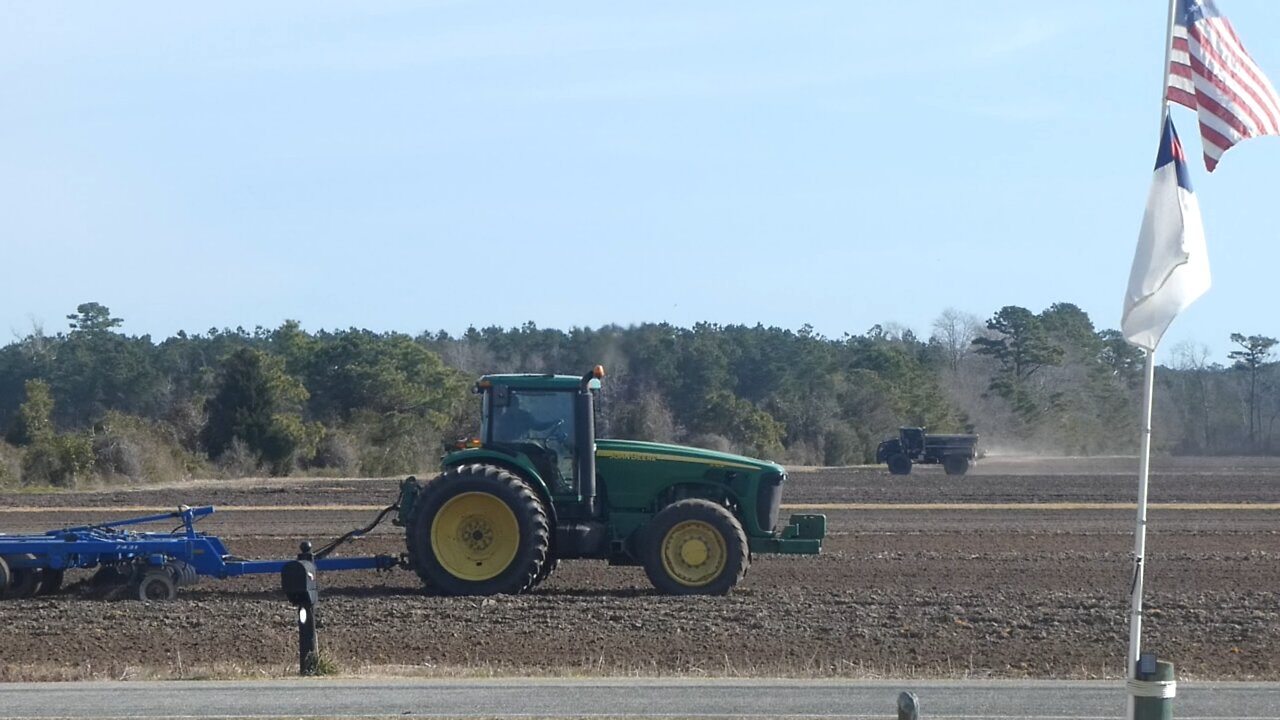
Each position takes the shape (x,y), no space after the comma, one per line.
(149,565)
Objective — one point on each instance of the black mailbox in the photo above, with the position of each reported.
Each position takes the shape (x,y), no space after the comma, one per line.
(298,578)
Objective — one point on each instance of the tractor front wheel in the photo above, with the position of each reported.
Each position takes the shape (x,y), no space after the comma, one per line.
(899,464)
(479,530)
(695,547)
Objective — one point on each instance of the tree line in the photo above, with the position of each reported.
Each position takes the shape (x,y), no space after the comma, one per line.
(94,402)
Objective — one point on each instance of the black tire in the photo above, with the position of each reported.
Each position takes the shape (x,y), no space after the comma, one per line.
(51,581)
(545,571)
(4,577)
(955,464)
(710,533)
(899,464)
(156,585)
(475,548)
(24,582)
(410,532)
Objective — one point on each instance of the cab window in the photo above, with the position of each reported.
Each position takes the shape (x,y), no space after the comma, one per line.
(542,423)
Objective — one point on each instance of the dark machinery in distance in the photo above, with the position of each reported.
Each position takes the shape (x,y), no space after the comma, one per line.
(914,446)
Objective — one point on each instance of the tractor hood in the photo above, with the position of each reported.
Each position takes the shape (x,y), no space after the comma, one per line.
(642,451)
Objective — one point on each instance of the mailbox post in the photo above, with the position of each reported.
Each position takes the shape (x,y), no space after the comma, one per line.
(298,579)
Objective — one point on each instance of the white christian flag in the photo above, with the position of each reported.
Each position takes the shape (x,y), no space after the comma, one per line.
(1171,265)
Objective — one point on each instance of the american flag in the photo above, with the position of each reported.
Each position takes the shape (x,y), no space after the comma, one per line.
(1211,73)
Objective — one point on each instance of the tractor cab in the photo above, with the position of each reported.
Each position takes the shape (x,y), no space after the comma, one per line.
(538,423)
(912,439)
(546,421)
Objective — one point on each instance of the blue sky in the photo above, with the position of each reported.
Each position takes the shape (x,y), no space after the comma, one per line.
(419,166)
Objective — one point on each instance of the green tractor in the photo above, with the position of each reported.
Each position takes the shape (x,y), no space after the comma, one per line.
(537,487)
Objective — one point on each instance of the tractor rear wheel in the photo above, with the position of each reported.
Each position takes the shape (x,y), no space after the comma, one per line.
(899,464)
(694,547)
(955,464)
(410,535)
(479,530)
(548,567)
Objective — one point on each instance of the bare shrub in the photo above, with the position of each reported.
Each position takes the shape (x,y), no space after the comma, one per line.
(336,451)
(394,444)
(184,421)
(646,418)
(239,460)
(139,450)
(115,455)
(399,455)
(802,452)
(711,441)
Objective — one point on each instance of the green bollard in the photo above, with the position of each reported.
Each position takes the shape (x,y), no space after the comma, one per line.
(1153,691)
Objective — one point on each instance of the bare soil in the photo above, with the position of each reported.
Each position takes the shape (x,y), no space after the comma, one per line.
(942,592)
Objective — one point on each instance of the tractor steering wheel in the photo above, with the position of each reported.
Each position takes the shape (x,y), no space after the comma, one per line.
(553,432)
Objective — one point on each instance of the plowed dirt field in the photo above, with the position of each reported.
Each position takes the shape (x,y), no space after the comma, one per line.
(1020,569)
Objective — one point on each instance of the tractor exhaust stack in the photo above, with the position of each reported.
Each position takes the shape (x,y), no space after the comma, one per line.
(585,460)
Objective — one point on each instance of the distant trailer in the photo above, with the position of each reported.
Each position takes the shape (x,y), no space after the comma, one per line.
(914,446)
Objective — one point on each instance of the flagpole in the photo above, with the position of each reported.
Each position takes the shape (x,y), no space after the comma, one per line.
(1169,58)
(1140,530)
(1148,389)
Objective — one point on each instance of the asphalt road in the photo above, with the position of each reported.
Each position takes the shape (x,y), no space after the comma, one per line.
(618,698)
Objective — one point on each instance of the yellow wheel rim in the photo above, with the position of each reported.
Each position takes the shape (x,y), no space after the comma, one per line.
(693,553)
(475,536)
